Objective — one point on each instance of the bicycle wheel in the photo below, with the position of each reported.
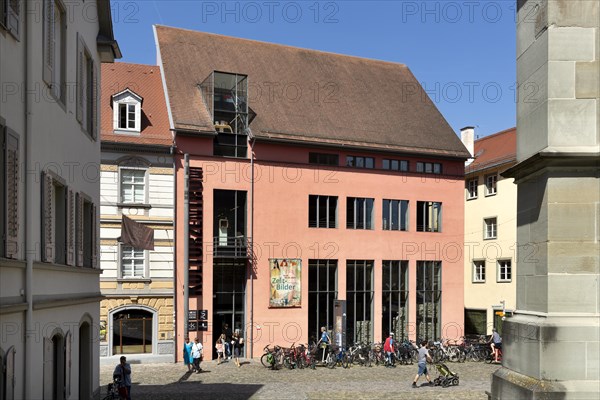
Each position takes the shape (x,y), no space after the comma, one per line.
(331,361)
(264,362)
(346,361)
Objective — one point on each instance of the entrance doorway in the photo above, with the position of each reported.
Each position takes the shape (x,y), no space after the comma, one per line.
(229,293)
(132,332)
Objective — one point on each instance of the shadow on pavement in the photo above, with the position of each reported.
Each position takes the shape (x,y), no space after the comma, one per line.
(188,390)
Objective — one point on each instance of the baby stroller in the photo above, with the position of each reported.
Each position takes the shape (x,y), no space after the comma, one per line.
(446,378)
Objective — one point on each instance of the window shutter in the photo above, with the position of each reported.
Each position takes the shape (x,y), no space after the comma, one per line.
(68,365)
(79,229)
(48,41)
(11,158)
(80,78)
(10,373)
(13,10)
(48,217)
(48,368)
(94,101)
(3,5)
(70,227)
(94,237)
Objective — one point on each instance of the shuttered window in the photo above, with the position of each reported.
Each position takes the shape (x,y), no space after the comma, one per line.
(9,189)
(87,90)
(54,48)
(10,11)
(61,222)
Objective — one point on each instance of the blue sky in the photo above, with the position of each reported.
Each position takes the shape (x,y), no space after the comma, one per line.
(462,52)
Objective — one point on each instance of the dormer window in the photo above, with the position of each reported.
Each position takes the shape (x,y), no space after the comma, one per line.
(127,112)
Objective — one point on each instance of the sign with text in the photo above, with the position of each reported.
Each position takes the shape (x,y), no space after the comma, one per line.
(286,278)
(192,315)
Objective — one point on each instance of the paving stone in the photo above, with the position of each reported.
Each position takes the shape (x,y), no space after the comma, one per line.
(252,380)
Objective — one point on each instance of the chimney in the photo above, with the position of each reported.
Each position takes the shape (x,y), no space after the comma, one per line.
(467,136)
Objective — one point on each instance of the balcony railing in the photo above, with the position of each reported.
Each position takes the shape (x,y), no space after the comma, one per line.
(232,246)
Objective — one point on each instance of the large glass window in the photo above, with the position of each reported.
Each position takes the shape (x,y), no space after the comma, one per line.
(429,296)
(226,97)
(429,216)
(322,291)
(395,215)
(322,211)
(395,298)
(359,213)
(229,223)
(359,301)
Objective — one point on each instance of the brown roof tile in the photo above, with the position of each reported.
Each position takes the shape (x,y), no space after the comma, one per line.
(146,81)
(306,95)
(494,150)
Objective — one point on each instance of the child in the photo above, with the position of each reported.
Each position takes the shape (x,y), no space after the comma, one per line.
(219,346)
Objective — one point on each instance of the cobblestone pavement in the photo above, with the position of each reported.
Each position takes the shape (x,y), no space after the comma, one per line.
(252,380)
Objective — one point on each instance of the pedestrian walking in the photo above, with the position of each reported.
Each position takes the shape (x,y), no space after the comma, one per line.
(237,342)
(188,360)
(227,343)
(422,363)
(220,346)
(197,355)
(123,373)
(388,347)
(496,345)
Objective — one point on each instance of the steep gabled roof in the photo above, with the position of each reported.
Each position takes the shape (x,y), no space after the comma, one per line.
(305,95)
(494,150)
(146,82)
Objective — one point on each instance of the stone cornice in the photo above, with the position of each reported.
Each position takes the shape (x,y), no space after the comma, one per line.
(556,160)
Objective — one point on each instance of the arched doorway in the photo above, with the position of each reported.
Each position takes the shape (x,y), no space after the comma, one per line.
(132,331)
(85,361)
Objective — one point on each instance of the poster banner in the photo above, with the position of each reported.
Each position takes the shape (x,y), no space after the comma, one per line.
(286,278)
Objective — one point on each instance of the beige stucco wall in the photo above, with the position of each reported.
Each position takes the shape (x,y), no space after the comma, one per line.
(503,206)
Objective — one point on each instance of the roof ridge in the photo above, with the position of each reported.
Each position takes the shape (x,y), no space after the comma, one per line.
(373,60)
(496,134)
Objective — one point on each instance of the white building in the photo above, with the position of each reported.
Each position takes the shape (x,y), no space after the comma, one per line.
(490,231)
(50,57)
(136,181)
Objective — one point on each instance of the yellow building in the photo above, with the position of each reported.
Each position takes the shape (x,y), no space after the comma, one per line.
(490,231)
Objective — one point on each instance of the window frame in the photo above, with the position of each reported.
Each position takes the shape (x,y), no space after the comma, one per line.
(478,271)
(401,292)
(428,167)
(330,159)
(10,19)
(472,188)
(122,169)
(425,226)
(365,291)
(145,268)
(364,160)
(491,189)
(403,220)
(314,266)
(327,199)
(368,222)
(426,274)
(494,226)
(507,271)
(402,165)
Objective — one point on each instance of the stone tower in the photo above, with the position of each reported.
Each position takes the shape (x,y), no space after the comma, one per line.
(551,345)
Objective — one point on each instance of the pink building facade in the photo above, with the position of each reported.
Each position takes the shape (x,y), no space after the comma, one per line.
(371,222)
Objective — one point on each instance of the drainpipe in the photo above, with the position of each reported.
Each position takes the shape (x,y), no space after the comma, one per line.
(186,243)
(252,266)
(175,352)
(30,253)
